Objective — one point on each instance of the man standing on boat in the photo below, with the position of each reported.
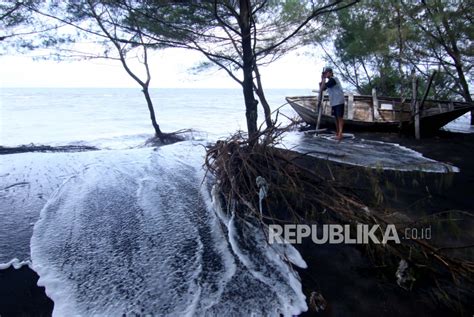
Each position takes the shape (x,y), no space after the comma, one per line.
(336,98)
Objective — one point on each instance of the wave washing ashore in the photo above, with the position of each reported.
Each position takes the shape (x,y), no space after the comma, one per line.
(118,119)
(109,232)
(133,231)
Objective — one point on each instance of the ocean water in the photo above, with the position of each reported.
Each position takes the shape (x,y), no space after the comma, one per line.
(119,118)
(132,229)
(136,231)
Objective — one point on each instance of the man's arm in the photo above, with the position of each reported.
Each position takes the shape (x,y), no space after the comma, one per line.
(331,82)
(322,84)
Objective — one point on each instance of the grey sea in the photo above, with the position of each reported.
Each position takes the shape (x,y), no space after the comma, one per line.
(118,118)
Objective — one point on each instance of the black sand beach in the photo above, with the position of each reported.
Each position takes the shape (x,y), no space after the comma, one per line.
(345,277)
(20,296)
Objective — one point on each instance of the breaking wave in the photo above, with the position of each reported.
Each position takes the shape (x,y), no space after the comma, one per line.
(143,234)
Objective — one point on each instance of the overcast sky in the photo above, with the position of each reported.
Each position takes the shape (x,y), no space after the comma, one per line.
(170,69)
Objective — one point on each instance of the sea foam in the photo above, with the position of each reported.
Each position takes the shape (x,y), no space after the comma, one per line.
(142,234)
(367,153)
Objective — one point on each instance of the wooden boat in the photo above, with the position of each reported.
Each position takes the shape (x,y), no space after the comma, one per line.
(373,113)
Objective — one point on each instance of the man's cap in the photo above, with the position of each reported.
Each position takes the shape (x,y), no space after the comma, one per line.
(327,69)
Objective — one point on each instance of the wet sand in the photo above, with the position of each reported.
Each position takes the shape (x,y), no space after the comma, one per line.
(342,274)
(20,296)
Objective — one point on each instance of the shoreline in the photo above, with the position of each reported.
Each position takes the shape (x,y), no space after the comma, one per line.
(6,150)
(342,274)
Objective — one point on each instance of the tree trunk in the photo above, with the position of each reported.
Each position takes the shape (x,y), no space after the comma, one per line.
(456,57)
(247,85)
(465,87)
(400,52)
(151,110)
(263,100)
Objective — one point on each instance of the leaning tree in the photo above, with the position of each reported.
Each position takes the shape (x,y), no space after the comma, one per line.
(448,31)
(237,36)
(109,31)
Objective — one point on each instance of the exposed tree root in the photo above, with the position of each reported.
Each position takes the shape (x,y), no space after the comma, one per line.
(168,138)
(299,195)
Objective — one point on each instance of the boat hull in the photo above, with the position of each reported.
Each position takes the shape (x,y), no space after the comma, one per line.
(387,115)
